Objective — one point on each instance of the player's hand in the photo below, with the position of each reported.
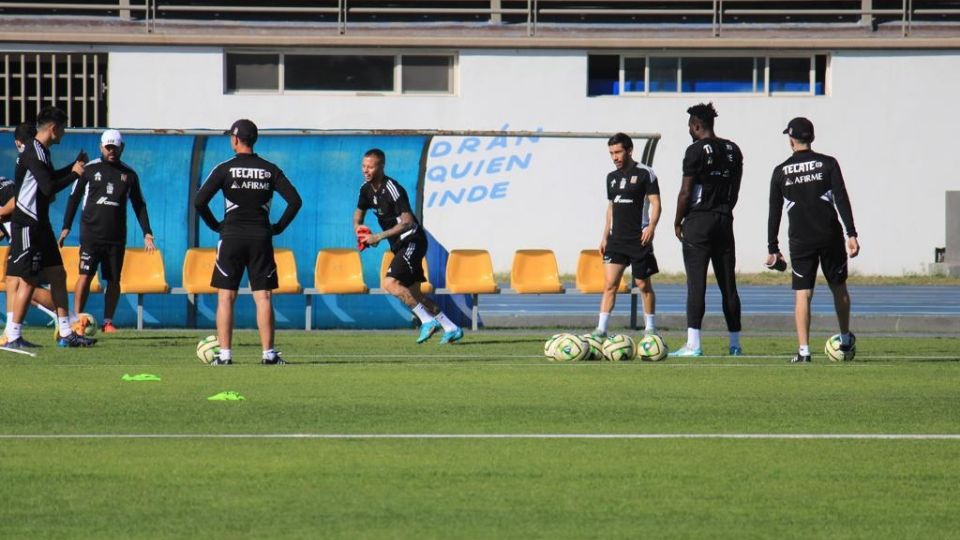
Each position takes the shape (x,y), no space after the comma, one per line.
(853,246)
(678,230)
(603,246)
(358,229)
(63,236)
(372,239)
(148,245)
(77,168)
(647,236)
(775,261)
(82,157)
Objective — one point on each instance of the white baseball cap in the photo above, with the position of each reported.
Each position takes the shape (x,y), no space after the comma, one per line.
(111,137)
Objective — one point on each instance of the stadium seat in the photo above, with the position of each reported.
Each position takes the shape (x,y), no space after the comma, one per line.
(590,275)
(4,251)
(535,272)
(144,275)
(339,271)
(197,269)
(470,271)
(286,272)
(426,287)
(71,263)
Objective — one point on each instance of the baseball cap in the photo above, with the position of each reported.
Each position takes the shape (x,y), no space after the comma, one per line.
(244,129)
(111,137)
(800,128)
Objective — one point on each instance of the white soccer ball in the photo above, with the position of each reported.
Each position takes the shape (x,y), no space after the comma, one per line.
(619,347)
(208,348)
(570,348)
(651,348)
(596,347)
(833,352)
(85,325)
(549,344)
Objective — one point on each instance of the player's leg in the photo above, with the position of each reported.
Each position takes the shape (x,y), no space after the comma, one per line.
(834,263)
(696,257)
(44,300)
(613,268)
(111,267)
(10,289)
(226,300)
(804,265)
(227,272)
(81,291)
(262,269)
(643,269)
(57,277)
(724,260)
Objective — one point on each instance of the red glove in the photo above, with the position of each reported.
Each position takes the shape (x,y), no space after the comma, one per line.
(363,232)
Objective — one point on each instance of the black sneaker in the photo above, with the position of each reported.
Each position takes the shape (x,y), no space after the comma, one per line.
(274,360)
(850,346)
(75,340)
(801,359)
(217,361)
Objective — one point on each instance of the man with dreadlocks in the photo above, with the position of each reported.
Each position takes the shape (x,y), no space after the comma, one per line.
(712,169)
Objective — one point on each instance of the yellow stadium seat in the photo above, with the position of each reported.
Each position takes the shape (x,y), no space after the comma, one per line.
(197,270)
(535,272)
(286,272)
(143,272)
(71,263)
(470,271)
(4,251)
(339,271)
(590,274)
(426,287)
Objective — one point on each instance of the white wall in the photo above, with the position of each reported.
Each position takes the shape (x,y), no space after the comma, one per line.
(887,119)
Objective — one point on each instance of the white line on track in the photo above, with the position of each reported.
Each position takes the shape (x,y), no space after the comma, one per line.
(500,436)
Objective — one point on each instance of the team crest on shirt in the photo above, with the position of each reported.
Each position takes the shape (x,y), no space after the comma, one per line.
(123,177)
(97,177)
(374,200)
(623,183)
(109,188)
(633,179)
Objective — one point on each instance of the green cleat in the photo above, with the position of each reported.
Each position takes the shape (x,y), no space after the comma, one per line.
(686,352)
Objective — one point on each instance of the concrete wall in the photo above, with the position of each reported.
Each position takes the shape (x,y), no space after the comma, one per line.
(887,118)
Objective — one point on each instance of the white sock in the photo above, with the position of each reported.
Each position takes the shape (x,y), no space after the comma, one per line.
(421,312)
(693,338)
(13,330)
(109,321)
(604,320)
(804,350)
(64,324)
(9,316)
(225,354)
(74,317)
(845,339)
(734,339)
(650,320)
(51,314)
(267,354)
(447,324)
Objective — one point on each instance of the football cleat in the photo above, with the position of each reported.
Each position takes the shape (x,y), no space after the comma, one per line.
(800,359)
(850,346)
(686,352)
(108,328)
(599,334)
(428,329)
(272,360)
(453,335)
(17,344)
(736,350)
(75,340)
(217,361)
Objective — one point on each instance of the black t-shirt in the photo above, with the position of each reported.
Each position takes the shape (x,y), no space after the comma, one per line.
(103,190)
(37,183)
(628,191)
(388,203)
(248,182)
(810,187)
(716,166)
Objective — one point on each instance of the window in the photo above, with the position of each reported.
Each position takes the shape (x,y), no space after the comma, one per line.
(300,72)
(703,74)
(74,82)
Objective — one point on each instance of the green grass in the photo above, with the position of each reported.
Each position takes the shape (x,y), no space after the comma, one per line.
(492,383)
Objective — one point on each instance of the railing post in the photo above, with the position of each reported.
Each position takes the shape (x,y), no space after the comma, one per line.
(342,16)
(866,19)
(124,13)
(716,29)
(495,16)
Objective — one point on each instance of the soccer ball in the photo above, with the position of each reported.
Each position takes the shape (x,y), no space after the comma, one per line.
(833,352)
(549,345)
(619,347)
(207,349)
(595,345)
(651,348)
(570,348)
(85,325)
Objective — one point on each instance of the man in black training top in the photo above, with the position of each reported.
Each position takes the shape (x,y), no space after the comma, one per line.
(408,241)
(34,255)
(628,231)
(246,235)
(104,188)
(712,169)
(810,187)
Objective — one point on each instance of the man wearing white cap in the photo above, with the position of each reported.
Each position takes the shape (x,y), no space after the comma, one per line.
(102,191)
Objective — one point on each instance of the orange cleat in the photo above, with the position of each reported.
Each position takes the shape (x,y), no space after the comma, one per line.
(108,328)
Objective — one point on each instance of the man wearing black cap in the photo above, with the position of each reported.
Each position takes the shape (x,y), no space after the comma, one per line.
(246,235)
(712,169)
(810,187)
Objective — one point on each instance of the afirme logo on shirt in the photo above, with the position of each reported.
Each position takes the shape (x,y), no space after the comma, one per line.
(806,166)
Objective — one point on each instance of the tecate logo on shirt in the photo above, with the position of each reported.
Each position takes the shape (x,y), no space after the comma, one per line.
(249,172)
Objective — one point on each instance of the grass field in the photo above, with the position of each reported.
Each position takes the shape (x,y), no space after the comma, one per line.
(669,458)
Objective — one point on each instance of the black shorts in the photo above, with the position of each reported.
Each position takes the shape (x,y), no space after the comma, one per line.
(107,257)
(642,261)
(32,248)
(708,232)
(253,254)
(832,259)
(407,264)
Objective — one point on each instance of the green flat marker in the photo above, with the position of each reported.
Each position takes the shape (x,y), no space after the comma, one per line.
(140,377)
(227,396)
